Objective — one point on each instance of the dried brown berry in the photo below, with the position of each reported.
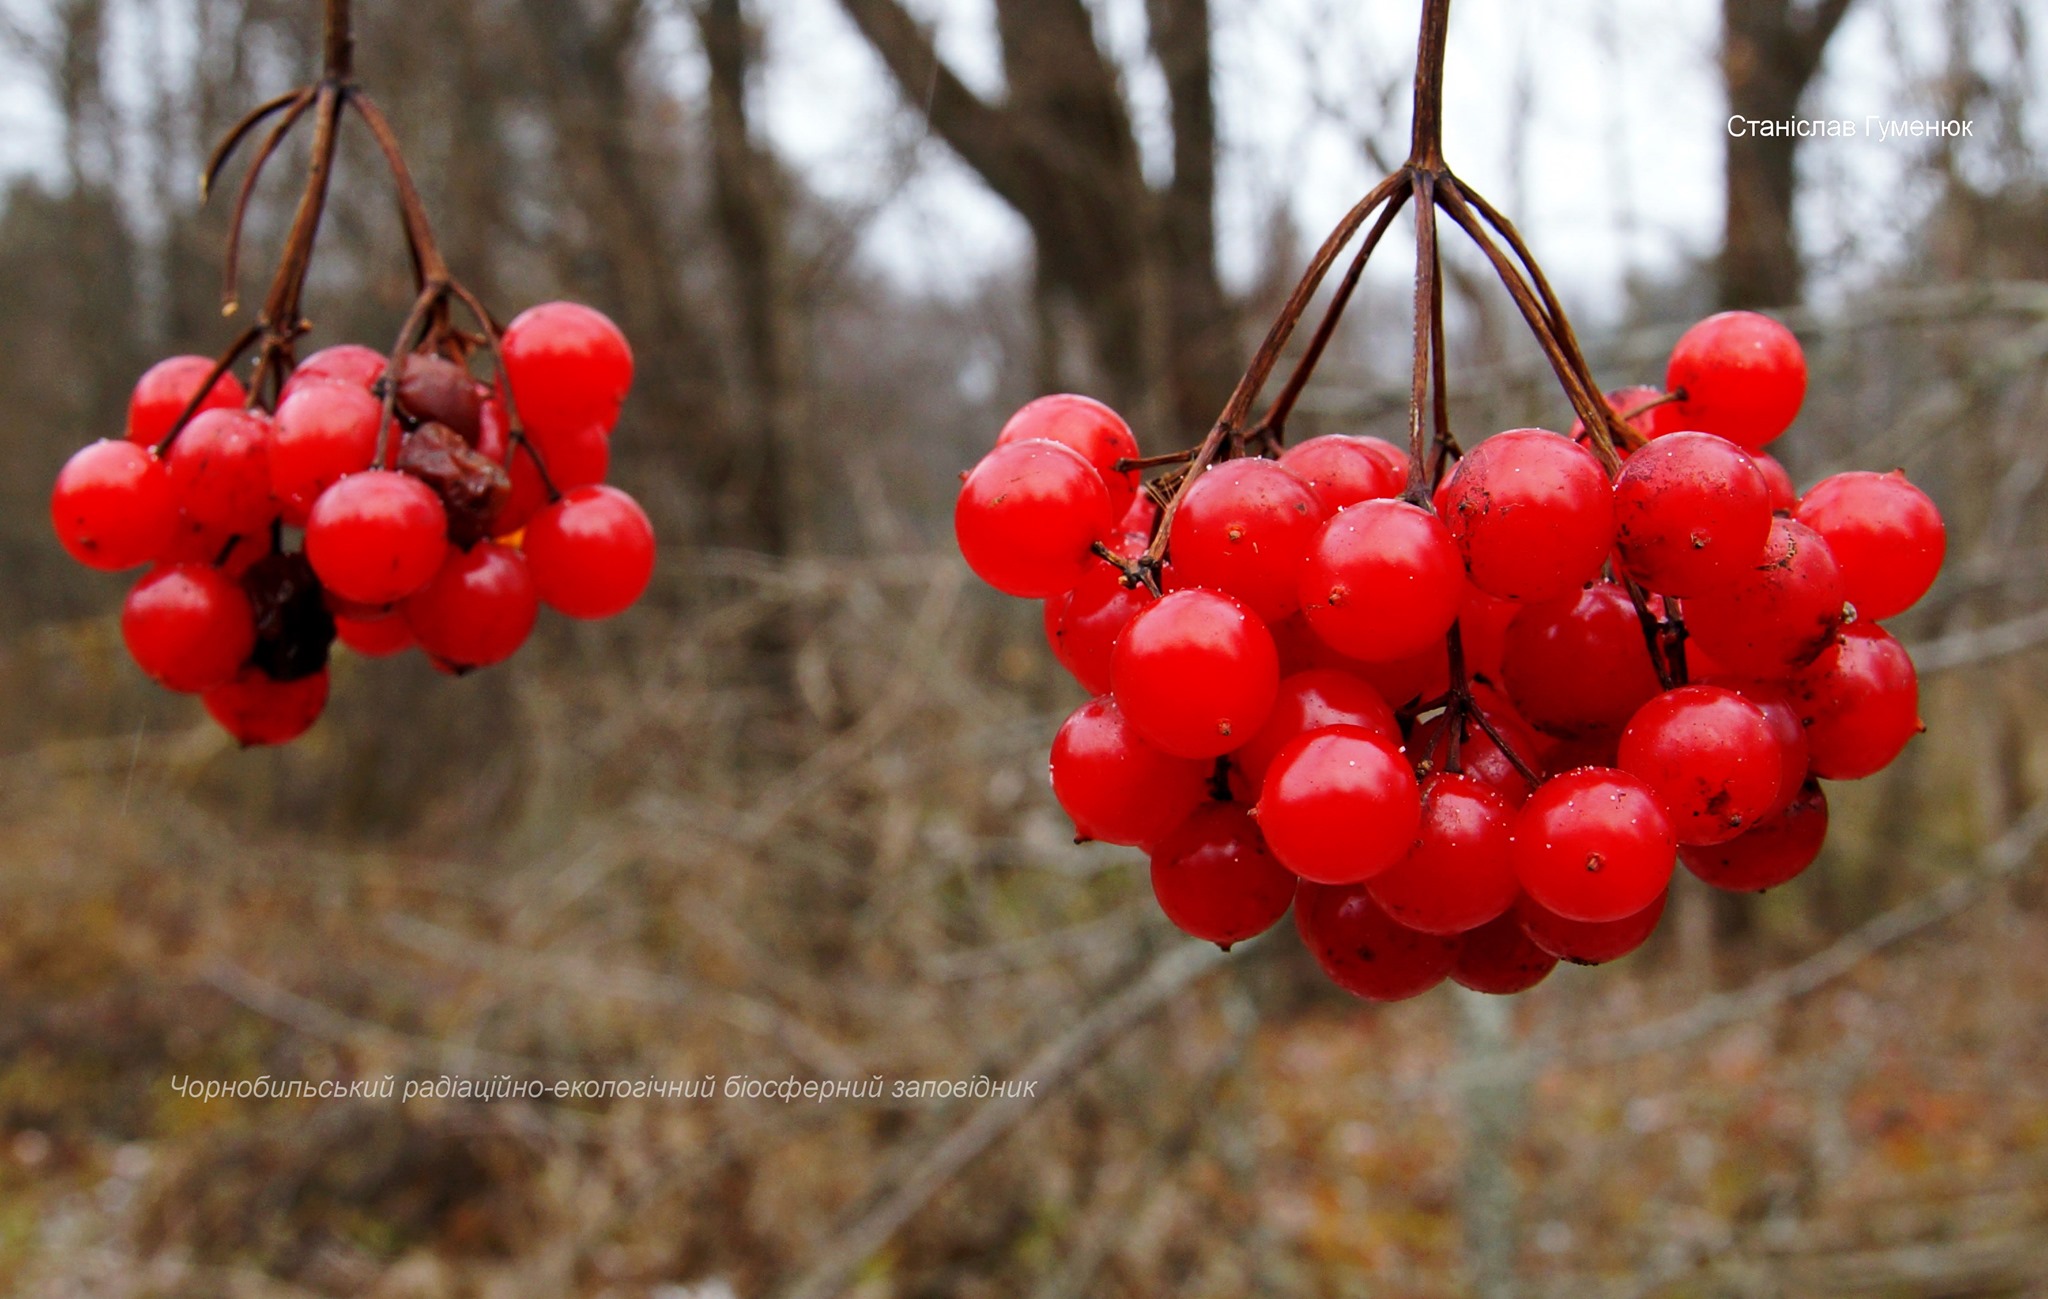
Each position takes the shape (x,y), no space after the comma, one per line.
(471,485)
(294,629)
(434,389)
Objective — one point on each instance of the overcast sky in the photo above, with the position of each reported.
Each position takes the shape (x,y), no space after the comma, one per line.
(1598,124)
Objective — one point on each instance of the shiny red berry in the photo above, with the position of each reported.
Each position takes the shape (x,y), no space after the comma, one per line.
(1741,376)
(1499,958)
(1587,942)
(1710,757)
(220,470)
(376,537)
(324,431)
(1381,581)
(1457,876)
(1308,701)
(1244,529)
(374,637)
(1082,625)
(1215,880)
(592,552)
(1344,470)
(1339,805)
(1532,513)
(1365,951)
(189,626)
(478,610)
(1774,851)
(1594,845)
(1860,701)
(1578,666)
(1691,513)
(1117,787)
(166,388)
(113,506)
(1098,433)
(569,366)
(1028,517)
(257,710)
(1781,615)
(1195,673)
(1884,533)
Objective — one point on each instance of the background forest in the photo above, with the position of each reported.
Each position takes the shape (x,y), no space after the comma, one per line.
(789,818)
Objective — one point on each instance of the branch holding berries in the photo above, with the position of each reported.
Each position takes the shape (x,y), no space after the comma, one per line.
(430,507)
(1462,711)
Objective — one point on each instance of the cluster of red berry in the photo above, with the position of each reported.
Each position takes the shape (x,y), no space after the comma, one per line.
(449,531)
(1464,733)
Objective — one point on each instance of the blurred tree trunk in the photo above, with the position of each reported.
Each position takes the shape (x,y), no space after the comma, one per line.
(1135,264)
(589,88)
(1770,51)
(751,207)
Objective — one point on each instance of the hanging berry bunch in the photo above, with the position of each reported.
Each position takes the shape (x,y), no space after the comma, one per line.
(431,506)
(1462,712)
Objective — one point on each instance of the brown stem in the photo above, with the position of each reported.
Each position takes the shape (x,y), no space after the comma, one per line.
(1130,463)
(243,342)
(209,176)
(1445,442)
(428,265)
(230,294)
(1272,426)
(1231,422)
(1521,766)
(431,299)
(338,46)
(1425,304)
(1426,151)
(515,430)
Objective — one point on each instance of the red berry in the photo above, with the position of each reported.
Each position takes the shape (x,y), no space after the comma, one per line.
(1782,615)
(1710,757)
(1116,787)
(1243,529)
(1587,942)
(374,637)
(1578,666)
(1098,433)
(478,610)
(1215,880)
(1028,515)
(376,537)
(1478,756)
(113,506)
(220,470)
(1382,581)
(1740,375)
(592,552)
(164,390)
(1457,876)
(324,431)
(350,364)
(578,458)
(1593,845)
(258,710)
(569,366)
(1083,624)
(1860,701)
(1771,852)
(232,553)
(1783,499)
(1195,673)
(1884,532)
(1344,470)
(1691,514)
(1499,958)
(1308,701)
(1653,422)
(1774,701)
(1532,514)
(189,626)
(1483,622)
(1339,805)
(1365,951)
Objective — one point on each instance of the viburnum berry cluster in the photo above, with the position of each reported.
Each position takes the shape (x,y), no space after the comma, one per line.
(1462,712)
(386,501)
